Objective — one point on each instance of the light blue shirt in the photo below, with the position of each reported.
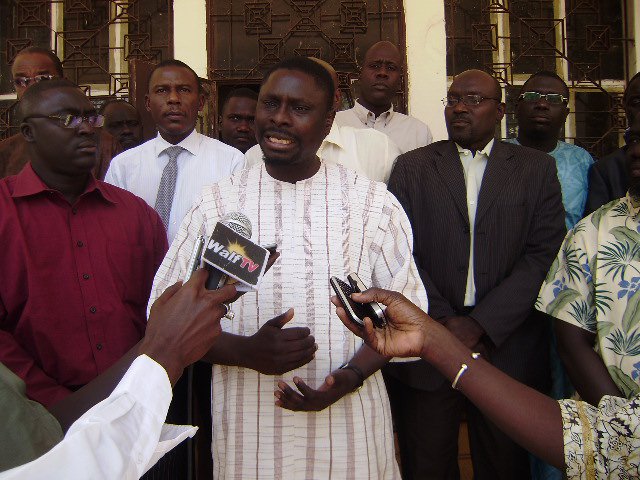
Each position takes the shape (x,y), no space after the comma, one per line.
(573,165)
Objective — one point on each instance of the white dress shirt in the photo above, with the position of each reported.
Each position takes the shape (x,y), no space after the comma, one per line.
(408,133)
(474,167)
(368,152)
(119,438)
(204,161)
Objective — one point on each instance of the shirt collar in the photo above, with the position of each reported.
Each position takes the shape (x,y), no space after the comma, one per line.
(363,113)
(28,183)
(191,144)
(486,151)
(334,137)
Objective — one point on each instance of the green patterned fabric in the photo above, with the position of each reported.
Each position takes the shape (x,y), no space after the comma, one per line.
(594,284)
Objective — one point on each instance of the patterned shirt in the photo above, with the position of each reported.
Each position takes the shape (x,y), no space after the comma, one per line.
(573,164)
(601,442)
(333,223)
(594,284)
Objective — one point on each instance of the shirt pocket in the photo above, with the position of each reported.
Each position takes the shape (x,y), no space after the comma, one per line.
(132,271)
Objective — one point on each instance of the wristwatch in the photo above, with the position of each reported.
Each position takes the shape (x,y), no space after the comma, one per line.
(356,370)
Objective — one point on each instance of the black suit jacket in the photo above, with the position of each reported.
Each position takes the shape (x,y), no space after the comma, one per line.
(519,227)
(608,180)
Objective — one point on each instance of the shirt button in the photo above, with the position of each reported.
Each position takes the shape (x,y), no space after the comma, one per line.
(80,244)
(99,346)
(93,309)
(472,202)
(74,211)
(86,276)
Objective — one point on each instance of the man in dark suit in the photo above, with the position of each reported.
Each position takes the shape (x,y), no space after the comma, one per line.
(488,220)
(608,179)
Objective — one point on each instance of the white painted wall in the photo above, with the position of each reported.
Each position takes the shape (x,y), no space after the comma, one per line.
(190,34)
(426,62)
(426,53)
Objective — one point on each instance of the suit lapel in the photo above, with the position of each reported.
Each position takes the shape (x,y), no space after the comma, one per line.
(450,169)
(495,176)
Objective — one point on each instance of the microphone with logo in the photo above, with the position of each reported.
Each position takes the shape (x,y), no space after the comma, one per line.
(231,257)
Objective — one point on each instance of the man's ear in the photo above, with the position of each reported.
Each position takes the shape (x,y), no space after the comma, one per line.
(27,131)
(201,100)
(500,112)
(329,121)
(147,102)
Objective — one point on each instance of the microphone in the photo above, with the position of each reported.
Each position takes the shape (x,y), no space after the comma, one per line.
(239,223)
(230,255)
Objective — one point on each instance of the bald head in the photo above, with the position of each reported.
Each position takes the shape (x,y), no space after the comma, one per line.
(337,98)
(482,76)
(386,47)
(380,76)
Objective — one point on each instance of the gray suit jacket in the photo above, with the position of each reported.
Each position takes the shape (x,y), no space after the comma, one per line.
(519,227)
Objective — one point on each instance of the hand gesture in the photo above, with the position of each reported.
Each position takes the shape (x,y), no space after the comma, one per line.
(405,331)
(306,399)
(184,322)
(275,350)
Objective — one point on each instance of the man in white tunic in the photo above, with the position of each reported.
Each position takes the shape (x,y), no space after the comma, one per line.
(326,220)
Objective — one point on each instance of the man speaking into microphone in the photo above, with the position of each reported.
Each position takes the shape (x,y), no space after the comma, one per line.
(285,338)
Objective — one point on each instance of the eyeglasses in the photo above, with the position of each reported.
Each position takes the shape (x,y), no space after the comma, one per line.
(72,120)
(552,98)
(468,100)
(26,81)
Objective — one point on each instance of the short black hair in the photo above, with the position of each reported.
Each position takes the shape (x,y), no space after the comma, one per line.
(241,92)
(633,79)
(33,94)
(172,62)
(113,101)
(43,51)
(546,74)
(305,65)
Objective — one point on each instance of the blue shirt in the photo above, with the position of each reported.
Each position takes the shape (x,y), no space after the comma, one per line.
(573,165)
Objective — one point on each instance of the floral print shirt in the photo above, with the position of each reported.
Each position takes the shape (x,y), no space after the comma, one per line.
(594,284)
(602,442)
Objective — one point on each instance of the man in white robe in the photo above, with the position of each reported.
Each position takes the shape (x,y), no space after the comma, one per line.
(326,220)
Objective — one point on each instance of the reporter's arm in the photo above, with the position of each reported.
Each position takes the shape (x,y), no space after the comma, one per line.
(509,404)
(121,437)
(528,417)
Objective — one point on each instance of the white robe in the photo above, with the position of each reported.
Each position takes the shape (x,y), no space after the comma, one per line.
(333,223)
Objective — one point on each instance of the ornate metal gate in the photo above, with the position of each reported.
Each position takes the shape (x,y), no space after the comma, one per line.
(95,39)
(246,37)
(583,41)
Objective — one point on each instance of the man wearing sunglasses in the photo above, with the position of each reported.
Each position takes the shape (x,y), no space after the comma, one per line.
(31,66)
(541,111)
(78,256)
(487,221)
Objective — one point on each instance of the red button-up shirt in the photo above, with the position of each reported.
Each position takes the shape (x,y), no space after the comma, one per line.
(74,280)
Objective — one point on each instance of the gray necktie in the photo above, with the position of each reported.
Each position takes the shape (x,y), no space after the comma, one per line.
(168,185)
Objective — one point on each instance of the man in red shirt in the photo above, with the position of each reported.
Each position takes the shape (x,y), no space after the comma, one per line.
(78,255)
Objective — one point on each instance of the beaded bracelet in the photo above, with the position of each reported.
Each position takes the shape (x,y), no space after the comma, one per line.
(463,368)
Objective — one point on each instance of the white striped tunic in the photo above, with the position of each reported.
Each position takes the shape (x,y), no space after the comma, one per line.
(333,223)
